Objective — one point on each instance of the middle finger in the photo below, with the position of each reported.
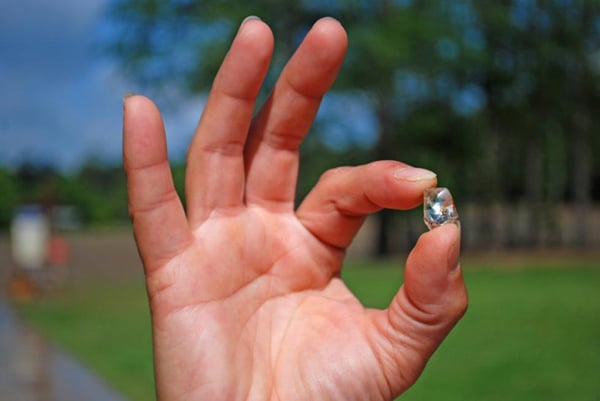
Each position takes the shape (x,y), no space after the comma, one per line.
(215,170)
(279,128)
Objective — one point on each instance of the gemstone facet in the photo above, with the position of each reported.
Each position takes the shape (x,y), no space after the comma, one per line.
(439,208)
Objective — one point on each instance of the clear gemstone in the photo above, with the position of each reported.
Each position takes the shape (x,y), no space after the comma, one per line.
(439,208)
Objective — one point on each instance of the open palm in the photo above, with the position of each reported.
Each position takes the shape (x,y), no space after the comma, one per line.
(245,294)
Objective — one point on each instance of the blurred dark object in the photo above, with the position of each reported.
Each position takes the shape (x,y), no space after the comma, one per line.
(65,218)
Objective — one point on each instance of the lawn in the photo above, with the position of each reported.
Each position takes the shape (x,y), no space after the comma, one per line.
(532,331)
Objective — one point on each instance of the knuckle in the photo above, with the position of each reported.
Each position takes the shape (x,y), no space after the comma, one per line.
(333,174)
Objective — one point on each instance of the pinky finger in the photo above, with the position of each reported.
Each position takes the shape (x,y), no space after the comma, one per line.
(159,221)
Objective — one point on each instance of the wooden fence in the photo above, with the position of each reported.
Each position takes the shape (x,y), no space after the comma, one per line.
(498,227)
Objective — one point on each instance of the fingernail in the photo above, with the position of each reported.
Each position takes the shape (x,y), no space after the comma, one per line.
(127,95)
(327,18)
(413,174)
(250,18)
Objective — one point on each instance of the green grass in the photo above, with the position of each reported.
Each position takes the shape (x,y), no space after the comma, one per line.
(532,332)
(106,326)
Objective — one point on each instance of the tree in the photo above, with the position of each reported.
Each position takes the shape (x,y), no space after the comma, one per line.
(541,83)
(9,198)
(396,39)
(498,98)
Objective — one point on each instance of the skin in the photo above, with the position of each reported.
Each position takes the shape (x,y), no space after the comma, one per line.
(245,294)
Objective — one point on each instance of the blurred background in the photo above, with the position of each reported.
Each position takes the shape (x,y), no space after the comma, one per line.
(500,99)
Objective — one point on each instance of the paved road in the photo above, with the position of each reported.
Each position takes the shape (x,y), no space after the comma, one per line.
(33,370)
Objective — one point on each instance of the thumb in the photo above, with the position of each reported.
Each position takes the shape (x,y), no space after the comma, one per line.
(431,301)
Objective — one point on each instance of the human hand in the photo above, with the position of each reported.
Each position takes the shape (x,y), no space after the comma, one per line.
(245,293)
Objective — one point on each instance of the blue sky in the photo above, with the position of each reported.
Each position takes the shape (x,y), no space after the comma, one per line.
(61,100)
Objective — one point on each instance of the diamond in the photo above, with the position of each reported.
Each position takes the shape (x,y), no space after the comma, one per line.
(438,208)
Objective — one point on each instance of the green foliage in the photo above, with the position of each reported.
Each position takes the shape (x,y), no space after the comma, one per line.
(98,191)
(498,98)
(523,77)
(8,196)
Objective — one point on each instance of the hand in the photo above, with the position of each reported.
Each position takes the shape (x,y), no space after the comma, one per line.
(245,294)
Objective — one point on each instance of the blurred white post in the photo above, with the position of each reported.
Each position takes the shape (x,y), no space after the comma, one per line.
(30,233)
